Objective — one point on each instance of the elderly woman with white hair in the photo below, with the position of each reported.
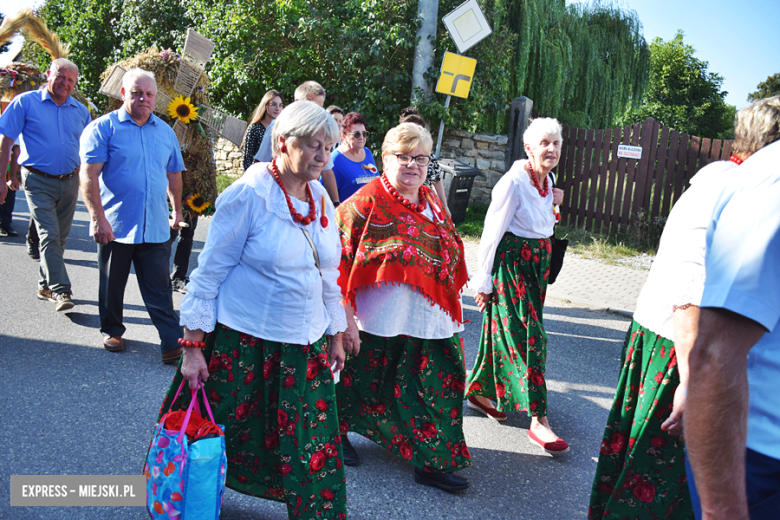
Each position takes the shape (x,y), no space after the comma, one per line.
(511,283)
(263,323)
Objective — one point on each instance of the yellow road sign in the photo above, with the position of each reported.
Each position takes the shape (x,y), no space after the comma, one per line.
(457,73)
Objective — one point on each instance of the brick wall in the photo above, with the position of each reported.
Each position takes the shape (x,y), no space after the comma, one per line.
(486,152)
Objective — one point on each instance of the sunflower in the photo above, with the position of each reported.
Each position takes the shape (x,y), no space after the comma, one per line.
(181,108)
(197,203)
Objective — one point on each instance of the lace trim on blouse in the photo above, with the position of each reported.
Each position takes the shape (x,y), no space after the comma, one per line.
(198,313)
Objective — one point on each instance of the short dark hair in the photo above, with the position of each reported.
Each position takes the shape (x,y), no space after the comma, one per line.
(417,119)
(408,111)
(353,118)
(333,109)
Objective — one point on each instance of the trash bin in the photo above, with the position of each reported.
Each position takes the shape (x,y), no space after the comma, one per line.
(458,179)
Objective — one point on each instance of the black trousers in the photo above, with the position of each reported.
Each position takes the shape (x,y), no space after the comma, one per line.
(151,269)
(7,209)
(181,259)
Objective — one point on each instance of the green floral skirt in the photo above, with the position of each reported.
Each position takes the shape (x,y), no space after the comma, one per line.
(512,354)
(277,403)
(641,468)
(406,394)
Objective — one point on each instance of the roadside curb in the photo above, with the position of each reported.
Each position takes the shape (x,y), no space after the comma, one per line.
(590,304)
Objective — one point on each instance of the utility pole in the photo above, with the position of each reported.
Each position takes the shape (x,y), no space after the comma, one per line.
(428,12)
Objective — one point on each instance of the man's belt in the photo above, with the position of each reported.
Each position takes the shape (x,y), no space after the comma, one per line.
(36,171)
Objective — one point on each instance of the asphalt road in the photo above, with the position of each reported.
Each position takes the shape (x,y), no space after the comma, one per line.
(69,407)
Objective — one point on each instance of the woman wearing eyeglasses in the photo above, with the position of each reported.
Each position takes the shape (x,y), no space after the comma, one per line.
(401,274)
(269,109)
(353,163)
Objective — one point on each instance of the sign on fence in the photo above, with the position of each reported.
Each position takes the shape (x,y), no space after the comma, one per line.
(629,152)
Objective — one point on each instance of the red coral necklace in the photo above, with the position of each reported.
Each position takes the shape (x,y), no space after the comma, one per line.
(400,198)
(297,217)
(735,159)
(542,192)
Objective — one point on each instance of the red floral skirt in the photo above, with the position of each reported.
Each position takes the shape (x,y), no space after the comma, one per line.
(278,405)
(641,468)
(510,364)
(406,394)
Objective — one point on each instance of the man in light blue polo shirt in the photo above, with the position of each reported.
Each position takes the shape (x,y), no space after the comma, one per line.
(131,169)
(50,122)
(734,389)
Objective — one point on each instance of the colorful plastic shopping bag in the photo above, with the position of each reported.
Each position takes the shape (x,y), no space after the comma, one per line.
(185,478)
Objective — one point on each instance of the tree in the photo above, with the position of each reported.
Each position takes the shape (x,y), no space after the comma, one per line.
(768,88)
(3,47)
(682,94)
(583,64)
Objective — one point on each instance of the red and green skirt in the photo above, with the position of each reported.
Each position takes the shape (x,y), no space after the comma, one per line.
(510,365)
(406,394)
(277,402)
(641,468)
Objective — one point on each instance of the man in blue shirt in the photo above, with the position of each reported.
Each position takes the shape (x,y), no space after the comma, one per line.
(50,122)
(735,362)
(131,168)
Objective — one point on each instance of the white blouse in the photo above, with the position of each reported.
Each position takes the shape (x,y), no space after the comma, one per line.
(677,275)
(257,274)
(515,207)
(400,309)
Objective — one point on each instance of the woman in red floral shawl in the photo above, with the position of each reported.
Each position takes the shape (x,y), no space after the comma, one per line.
(402,270)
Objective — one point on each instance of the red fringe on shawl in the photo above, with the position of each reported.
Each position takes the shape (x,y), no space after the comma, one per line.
(377,228)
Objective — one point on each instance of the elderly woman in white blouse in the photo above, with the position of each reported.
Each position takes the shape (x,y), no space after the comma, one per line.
(511,282)
(642,452)
(263,320)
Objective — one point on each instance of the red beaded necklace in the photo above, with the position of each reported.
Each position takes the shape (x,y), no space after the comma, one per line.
(542,192)
(735,159)
(297,217)
(400,198)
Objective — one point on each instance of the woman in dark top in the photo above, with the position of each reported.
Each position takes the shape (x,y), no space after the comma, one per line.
(269,109)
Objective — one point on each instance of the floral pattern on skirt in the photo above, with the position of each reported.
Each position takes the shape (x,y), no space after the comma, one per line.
(278,404)
(641,468)
(406,394)
(510,365)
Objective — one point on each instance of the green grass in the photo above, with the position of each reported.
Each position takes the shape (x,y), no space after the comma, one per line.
(223,181)
(608,249)
(475,219)
(590,245)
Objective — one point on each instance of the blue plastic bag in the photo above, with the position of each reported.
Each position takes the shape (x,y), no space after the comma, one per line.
(185,480)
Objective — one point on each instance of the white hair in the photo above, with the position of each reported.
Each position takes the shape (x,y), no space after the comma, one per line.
(63,63)
(303,119)
(132,74)
(540,127)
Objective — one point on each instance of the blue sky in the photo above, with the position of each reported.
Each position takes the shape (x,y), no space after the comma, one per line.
(740,40)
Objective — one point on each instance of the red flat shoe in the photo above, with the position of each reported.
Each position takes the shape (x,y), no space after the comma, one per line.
(490,412)
(558,447)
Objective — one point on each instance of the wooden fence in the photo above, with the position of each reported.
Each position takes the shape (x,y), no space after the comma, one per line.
(603,192)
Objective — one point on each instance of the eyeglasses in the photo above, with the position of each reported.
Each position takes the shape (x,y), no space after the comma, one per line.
(358,135)
(275,105)
(419,160)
